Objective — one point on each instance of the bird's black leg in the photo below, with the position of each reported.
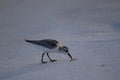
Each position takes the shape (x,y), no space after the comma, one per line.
(50,58)
(42,58)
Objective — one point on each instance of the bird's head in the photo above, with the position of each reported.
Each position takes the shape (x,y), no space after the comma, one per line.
(65,50)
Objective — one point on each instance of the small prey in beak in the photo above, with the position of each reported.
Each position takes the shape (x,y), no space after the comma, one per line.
(71,58)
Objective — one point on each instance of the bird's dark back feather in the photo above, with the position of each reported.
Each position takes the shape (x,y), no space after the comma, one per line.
(48,43)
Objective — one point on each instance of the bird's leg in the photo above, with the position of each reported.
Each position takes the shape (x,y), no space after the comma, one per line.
(42,58)
(50,58)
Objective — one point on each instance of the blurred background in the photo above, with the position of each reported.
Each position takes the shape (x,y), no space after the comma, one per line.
(91,29)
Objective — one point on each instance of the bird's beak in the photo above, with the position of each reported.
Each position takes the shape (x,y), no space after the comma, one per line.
(70,56)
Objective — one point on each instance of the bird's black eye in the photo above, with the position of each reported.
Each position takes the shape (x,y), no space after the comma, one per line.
(65,49)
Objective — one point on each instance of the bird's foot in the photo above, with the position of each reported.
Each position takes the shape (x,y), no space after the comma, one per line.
(53,60)
(44,62)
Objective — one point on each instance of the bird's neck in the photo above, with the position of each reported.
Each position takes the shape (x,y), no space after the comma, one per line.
(60,48)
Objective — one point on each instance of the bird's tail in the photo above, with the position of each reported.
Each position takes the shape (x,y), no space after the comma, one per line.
(27,40)
(31,41)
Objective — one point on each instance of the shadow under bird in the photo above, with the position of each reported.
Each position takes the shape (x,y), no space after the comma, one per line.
(49,46)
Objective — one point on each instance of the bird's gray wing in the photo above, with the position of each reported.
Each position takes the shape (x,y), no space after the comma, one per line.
(48,43)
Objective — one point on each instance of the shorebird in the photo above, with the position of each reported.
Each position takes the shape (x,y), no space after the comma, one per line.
(50,46)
